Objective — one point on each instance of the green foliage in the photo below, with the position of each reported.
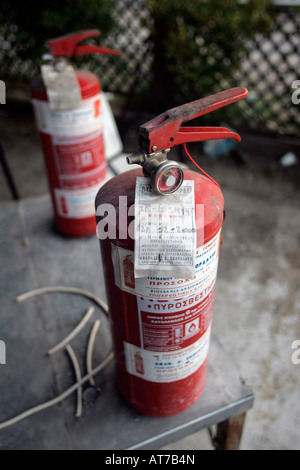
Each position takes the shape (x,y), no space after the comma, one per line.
(26,25)
(198,43)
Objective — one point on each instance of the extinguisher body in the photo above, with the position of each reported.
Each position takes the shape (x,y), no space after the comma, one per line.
(160,326)
(72,142)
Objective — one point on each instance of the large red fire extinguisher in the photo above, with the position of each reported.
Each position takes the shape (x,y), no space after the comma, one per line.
(68,107)
(161,324)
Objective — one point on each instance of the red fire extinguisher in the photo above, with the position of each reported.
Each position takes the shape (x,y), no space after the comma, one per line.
(69,117)
(161,325)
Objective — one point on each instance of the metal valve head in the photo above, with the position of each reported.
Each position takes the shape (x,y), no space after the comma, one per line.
(166,176)
(164,131)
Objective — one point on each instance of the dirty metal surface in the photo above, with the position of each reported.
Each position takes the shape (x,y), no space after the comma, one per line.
(33,255)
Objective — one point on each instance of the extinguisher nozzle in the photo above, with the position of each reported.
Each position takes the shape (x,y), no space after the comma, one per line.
(136,158)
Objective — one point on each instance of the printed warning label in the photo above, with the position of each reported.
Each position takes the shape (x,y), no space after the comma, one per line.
(77,149)
(76,204)
(63,90)
(165,230)
(166,366)
(81,120)
(79,160)
(169,325)
(157,287)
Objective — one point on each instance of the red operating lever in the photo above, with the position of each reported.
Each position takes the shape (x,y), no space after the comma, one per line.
(165,131)
(67,46)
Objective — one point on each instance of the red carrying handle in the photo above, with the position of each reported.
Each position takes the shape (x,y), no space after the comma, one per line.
(165,131)
(67,46)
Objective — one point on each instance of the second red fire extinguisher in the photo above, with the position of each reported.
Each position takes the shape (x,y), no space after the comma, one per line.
(68,107)
(161,320)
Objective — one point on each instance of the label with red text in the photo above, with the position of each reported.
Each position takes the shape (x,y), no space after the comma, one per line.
(167,325)
(77,152)
(174,337)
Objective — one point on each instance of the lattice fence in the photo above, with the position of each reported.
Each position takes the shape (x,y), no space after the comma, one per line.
(268,72)
(130,71)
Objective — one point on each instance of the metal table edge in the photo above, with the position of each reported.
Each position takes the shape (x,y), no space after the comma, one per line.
(197,424)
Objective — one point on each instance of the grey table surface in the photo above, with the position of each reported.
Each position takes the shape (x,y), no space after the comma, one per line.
(34,254)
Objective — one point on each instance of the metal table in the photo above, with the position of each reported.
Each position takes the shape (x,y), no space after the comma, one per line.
(34,254)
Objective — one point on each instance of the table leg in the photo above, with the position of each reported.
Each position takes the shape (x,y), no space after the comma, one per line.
(8,174)
(229,433)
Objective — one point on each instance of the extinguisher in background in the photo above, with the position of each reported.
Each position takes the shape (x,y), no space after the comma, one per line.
(69,107)
(161,325)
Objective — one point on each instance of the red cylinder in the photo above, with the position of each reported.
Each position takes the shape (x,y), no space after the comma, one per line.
(160,326)
(73,147)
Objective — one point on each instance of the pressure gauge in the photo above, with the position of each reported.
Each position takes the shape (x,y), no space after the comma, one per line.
(166,178)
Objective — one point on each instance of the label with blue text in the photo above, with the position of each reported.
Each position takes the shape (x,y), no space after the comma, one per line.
(157,287)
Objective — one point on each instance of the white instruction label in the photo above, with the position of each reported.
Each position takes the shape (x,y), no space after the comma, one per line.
(165,231)
(63,90)
(76,204)
(168,366)
(167,287)
(82,120)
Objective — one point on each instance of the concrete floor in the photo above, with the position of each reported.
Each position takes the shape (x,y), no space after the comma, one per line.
(257,301)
